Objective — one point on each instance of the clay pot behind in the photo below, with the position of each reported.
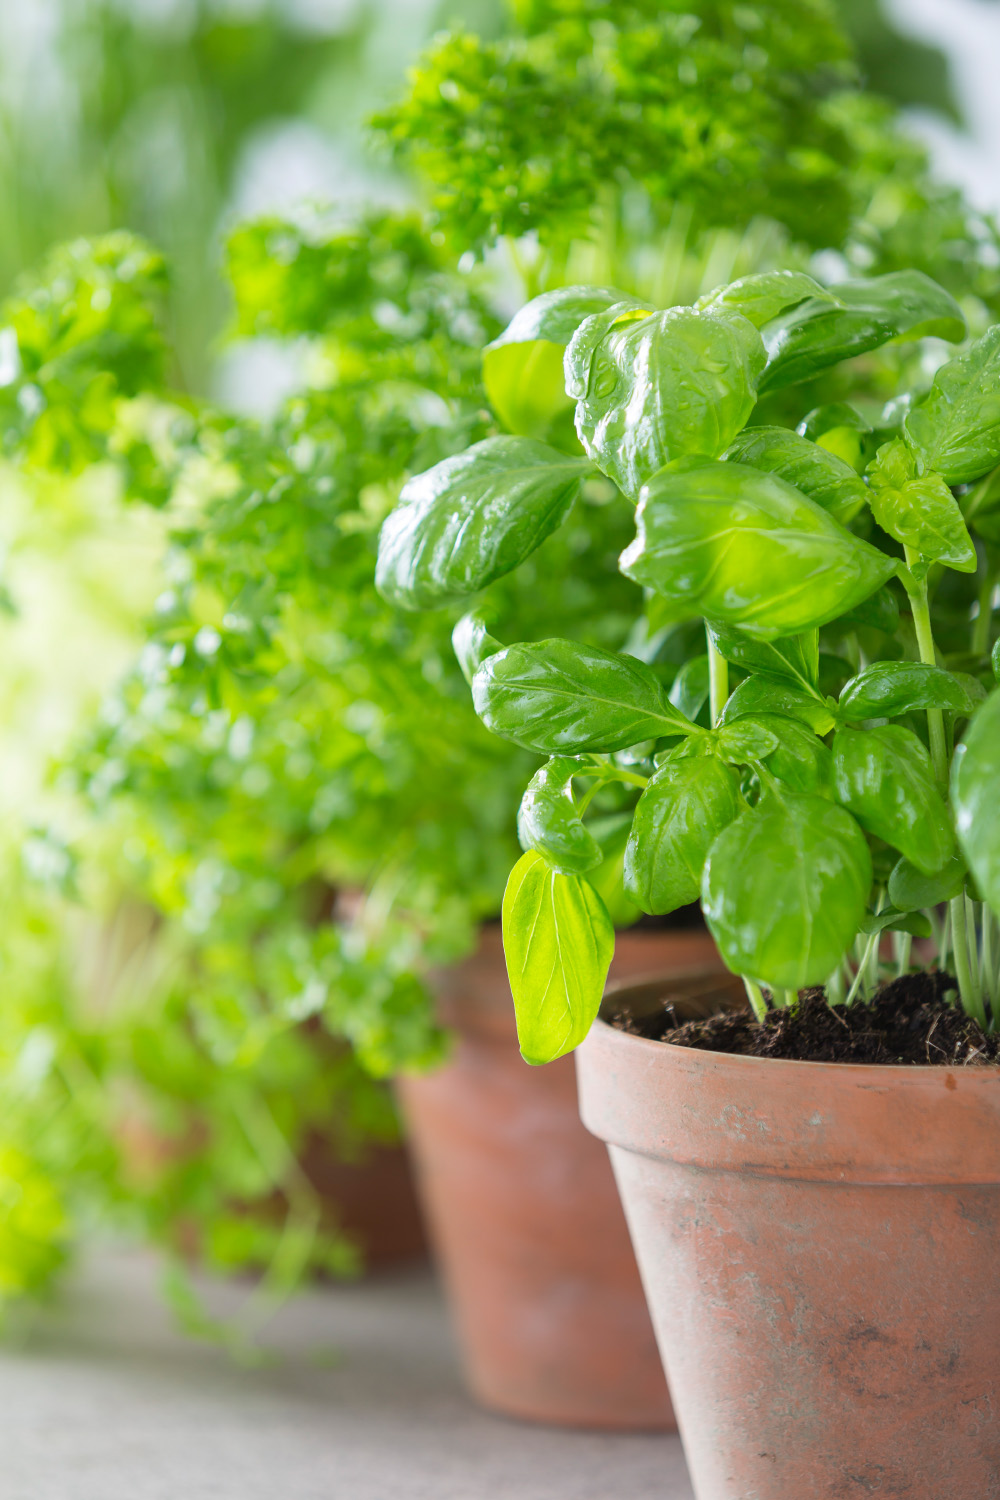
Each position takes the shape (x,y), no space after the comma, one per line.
(819,1245)
(523,1210)
(373,1199)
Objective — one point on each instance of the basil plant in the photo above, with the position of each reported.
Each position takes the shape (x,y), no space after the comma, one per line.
(822,770)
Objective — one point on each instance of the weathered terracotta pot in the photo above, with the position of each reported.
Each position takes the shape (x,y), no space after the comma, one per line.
(523,1211)
(820,1247)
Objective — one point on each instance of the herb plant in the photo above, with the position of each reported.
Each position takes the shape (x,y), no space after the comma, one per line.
(819,805)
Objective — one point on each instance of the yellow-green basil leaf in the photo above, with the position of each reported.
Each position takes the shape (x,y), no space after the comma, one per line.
(548,819)
(785,889)
(758,695)
(887,689)
(814,335)
(794,659)
(472,643)
(473,518)
(910,889)
(918,510)
(607,878)
(661,387)
(679,815)
(763,296)
(746,549)
(523,368)
(824,477)
(562,697)
(559,942)
(886,779)
(955,431)
(975,793)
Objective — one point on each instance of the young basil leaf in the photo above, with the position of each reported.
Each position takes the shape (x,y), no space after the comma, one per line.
(607,878)
(955,431)
(523,368)
(747,549)
(918,510)
(785,888)
(975,781)
(472,643)
(559,942)
(885,778)
(794,659)
(473,518)
(743,741)
(679,815)
(763,296)
(800,760)
(660,388)
(758,695)
(824,477)
(561,697)
(887,689)
(581,351)
(690,688)
(891,920)
(548,819)
(880,612)
(814,335)
(911,890)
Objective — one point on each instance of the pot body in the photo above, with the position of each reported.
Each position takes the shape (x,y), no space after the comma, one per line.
(524,1214)
(820,1247)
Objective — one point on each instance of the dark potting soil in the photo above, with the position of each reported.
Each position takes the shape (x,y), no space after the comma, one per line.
(684,919)
(908,1022)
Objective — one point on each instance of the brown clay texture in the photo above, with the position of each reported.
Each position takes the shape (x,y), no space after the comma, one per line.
(524,1213)
(819,1245)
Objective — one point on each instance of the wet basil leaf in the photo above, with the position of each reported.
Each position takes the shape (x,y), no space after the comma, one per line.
(746,549)
(918,510)
(885,778)
(662,387)
(559,942)
(758,695)
(887,689)
(785,888)
(473,518)
(911,890)
(562,696)
(690,688)
(824,477)
(800,760)
(548,819)
(744,740)
(815,335)
(679,815)
(955,431)
(794,659)
(763,296)
(975,793)
(472,643)
(523,368)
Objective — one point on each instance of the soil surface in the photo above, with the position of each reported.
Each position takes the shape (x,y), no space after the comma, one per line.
(909,1022)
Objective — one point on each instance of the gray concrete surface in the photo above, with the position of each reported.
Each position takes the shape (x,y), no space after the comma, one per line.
(104,1400)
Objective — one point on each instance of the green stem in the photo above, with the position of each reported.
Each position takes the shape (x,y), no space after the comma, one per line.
(785,999)
(903,950)
(718,680)
(925,643)
(989,966)
(971,997)
(981,625)
(852,993)
(756,997)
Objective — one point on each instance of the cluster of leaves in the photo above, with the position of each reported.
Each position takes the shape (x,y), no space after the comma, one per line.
(800,819)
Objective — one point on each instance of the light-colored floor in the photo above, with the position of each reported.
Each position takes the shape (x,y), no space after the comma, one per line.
(105,1401)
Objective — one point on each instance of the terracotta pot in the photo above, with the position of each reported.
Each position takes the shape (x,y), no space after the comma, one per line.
(819,1245)
(522,1208)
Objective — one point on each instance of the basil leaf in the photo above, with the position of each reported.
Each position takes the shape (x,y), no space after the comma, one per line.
(814,335)
(562,696)
(955,430)
(549,821)
(581,352)
(887,689)
(559,942)
(910,889)
(472,643)
(523,368)
(824,477)
(763,296)
(880,611)
(690,688)
(918,510)
(747,549)
(885,778)
(785,888)
(794,659)
(800,760)
(744,741)
(839,429)
(761,695)
(684,808)
(975,782)
(665,386)
(891,920)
